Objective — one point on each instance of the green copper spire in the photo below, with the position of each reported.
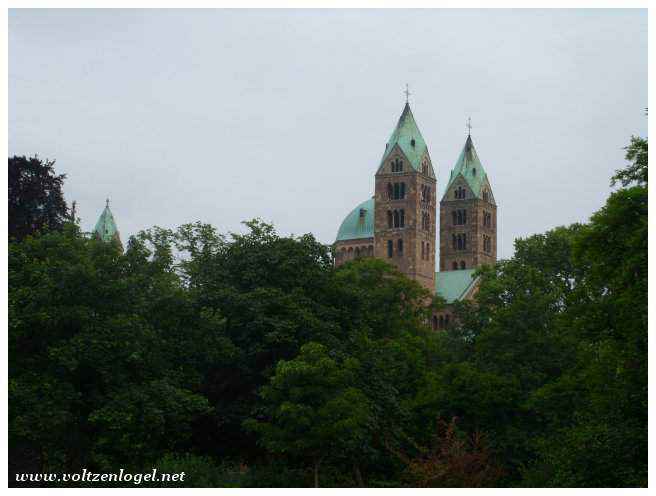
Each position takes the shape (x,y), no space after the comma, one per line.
(407,137)
(106,229)
(470,168)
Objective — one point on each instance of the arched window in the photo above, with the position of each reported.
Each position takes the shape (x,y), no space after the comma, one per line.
(460,242)
(487,219)
(390,248)
(350,252)
(429,255)
(370,250)
(441,324)
(455,265)
(462,265)
(455,245)
(357,252)
(397,165)
(486,195)
(402,218)
(402,190)
(464,241)
(459,217)
(435,322)
(396,218)
(397,191)
(390,222)
(487,244)
(399,247)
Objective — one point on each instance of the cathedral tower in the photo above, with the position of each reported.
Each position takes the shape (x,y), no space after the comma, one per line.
(405,204)
(468,215)
(106,229)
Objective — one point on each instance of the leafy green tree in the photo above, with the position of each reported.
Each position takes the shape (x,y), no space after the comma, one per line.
(269,290)
(601,438)
(36,199)
(314,411)
(106,354)
(514,339)
(638,154)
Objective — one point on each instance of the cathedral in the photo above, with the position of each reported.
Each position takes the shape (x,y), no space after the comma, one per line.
(399,222)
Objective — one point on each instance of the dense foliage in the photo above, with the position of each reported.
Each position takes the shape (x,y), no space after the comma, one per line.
(247,360)
(36,200)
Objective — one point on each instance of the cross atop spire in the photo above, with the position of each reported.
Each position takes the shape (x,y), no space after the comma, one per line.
(469,126)
(407,92)
(107,202)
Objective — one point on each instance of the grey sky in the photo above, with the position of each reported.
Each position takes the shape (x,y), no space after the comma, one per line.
(222,116)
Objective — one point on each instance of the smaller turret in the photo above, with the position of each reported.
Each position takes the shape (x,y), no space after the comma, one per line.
(106,229)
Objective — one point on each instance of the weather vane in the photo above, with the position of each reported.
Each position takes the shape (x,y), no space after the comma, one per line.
(469,126)
(407,92)
(107,202)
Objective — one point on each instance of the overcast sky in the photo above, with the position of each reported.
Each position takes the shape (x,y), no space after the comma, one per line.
(225,115)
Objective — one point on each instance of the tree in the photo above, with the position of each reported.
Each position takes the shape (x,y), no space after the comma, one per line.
(36,200)
(602,438)
(270,292)
(313,409)
(106,355)
(638,154)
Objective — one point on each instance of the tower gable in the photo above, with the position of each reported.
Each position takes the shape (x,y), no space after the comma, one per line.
(393,160)
(458,189)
